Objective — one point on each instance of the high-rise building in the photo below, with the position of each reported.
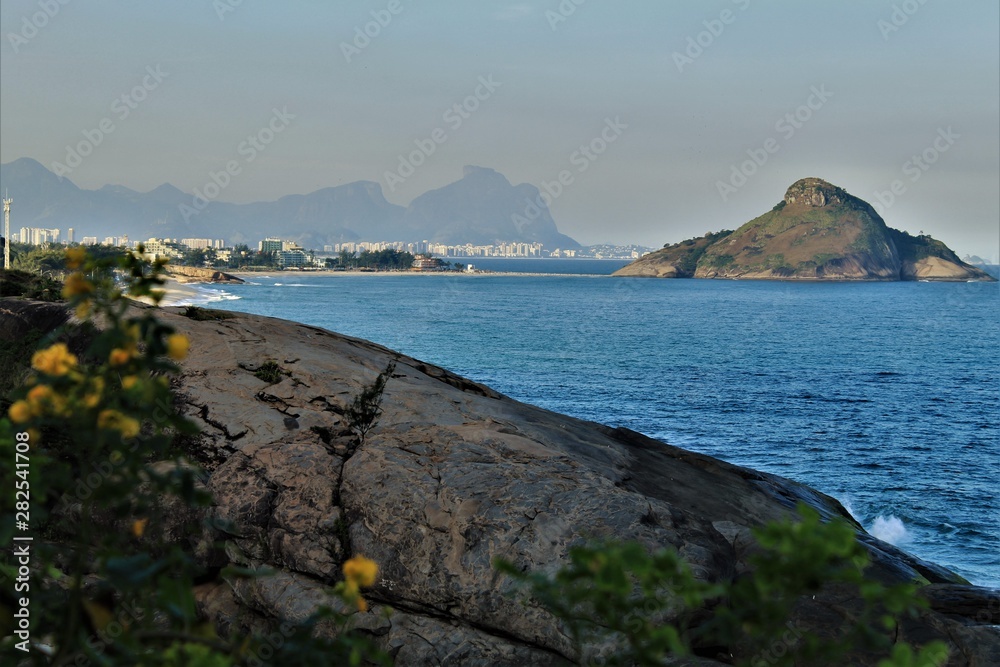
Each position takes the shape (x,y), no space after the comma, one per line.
(38,235)
(69,235)
(270,245)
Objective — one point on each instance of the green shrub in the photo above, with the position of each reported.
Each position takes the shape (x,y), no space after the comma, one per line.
(270,372)
(650,607)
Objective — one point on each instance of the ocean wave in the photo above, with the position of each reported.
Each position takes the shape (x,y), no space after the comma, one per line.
(886,527)
(204,295)
(889,529)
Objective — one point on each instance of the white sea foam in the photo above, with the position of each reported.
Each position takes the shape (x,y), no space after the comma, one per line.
(889,529)
(198,296)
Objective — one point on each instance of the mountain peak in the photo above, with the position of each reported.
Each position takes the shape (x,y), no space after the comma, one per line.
(814,192)
(472,171)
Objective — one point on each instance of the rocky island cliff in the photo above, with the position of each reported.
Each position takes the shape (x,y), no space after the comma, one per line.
(453,476)
(818,231)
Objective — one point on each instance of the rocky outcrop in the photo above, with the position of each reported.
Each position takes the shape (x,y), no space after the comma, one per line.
(452,477)
(455,475)
(193,274)
(816,232)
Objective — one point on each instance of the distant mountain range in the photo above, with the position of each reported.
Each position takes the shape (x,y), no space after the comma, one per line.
(481,208)
(817,232)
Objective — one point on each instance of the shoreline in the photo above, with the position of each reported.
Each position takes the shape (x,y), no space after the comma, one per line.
(273,275)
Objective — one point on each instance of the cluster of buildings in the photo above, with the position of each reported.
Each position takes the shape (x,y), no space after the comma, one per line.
(289,254)
(40,236)
(174,249)
(444,250)
(512,249)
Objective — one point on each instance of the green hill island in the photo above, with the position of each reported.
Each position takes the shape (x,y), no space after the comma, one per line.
(817,232)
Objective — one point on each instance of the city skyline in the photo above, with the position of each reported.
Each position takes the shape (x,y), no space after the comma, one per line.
(667,121)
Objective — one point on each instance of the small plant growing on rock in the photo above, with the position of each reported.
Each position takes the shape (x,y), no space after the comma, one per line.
(363,412)
(270,372)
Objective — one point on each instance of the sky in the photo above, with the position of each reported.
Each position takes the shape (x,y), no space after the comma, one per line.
(665,119)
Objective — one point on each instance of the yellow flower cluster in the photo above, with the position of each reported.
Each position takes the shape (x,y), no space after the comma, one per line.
(116,421)
(41,400)
(54,360)
(358,572)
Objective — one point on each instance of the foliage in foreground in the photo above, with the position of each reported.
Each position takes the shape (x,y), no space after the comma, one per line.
(623,605)
(100,480)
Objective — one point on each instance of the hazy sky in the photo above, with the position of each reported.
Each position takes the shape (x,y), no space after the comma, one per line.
(694,90)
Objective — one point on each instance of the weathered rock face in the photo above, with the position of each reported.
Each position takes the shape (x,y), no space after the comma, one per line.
(814,192)
(816,232)
(454,476)
(191,274)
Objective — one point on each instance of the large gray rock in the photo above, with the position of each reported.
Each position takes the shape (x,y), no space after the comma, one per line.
(454,476)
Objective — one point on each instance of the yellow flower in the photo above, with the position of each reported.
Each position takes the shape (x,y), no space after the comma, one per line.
(55,360)
(361,571)
(119,357)
(38,395)
(129,381)
(93,397)
(362,604)
(75,257)
(139,527)
(41,399)
(116,421)
(20,412)
(76,284)
(177,346)
(83,310)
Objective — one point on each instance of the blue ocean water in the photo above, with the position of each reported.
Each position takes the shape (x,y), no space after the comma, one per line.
(883,395)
